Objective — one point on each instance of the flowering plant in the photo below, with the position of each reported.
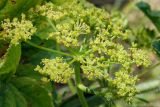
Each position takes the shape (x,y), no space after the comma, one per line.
(89,45)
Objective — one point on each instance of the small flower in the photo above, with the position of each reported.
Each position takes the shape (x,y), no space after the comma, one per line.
(99,38)
(94,67)
(16,30)
(68,33)
(50,11)
(121,56)
(140,57)
(58,70)
(124,84)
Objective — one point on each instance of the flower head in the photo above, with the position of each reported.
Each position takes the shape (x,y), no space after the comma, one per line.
(57,70)
(17,30)
(139,57)
(50,11)
(98,39)
(124,84)
(68,33)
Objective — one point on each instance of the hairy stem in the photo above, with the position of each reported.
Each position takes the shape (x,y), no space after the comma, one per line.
(78,81)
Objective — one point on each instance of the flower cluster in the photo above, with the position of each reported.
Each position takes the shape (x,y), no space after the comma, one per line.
(99,39)
(56,69)
(113,53)
(50,10)
(71,20)
(69,32)
(139,57)
(17,30)
(104,45)
(125,84)
(93,67)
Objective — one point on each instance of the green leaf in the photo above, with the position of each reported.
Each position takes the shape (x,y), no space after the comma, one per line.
(11,59)
(29,4)
(36,94)
(34,55)
(93,101)
(142,99)
(2,3)
(44,28)
(153,15)
(27,70)
(9,98)
(1,100)
(19,98)
(156,46)
(13,8)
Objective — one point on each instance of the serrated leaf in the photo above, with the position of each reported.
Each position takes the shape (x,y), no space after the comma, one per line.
(11,59)
(153,15)
(35,93)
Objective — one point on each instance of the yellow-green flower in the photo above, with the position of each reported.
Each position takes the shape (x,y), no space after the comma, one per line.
(140,57)
(68,33)
(124,84)
(57,70)
(17,30)
(50,11)
(98,39)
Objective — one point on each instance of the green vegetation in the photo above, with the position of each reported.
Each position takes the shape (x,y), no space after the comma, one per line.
(57,53)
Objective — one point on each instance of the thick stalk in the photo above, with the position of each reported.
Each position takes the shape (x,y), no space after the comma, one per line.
(78,81)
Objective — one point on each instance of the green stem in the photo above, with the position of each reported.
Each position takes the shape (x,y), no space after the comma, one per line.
(47,49)
(72,61)
(52,25)
(86,89)
(54,94)
(148,69)
(71,86)
(78,82)
(148,86)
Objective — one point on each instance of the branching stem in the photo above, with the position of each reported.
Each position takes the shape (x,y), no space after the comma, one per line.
(48,50)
